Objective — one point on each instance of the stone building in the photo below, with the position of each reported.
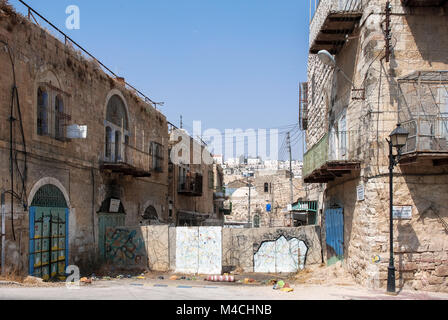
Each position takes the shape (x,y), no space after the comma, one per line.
(196,194)
(349,110)
(266,187)
(65,191)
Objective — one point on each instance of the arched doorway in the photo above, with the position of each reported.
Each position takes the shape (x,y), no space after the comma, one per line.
(110,215)
(150,216)
(48,250)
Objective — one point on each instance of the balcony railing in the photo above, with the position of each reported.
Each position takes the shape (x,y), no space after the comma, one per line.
(332,157)
(123,158)
(305,206)
(190,185)
(423,111)
(426,134)
(332,21)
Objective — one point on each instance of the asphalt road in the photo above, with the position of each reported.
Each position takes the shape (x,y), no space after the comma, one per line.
(130,289)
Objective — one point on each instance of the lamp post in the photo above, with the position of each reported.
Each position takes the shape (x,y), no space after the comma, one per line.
(397,140)
(327,59)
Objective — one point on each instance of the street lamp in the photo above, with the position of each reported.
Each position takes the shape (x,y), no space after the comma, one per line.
(397,140)
(327,59)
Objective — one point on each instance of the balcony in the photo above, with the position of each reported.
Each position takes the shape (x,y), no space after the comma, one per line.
(326,161)
(190,185)
(125,159)
(423,111)
(424,3)
(332,22)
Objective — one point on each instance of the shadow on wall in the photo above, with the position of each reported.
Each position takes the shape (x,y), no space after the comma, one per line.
(408,243)
(431,45)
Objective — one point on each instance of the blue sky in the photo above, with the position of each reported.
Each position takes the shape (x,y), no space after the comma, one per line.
(228,63)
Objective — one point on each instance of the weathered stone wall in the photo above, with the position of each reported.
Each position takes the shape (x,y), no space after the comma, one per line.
(420,43)
(203,203)
(241,245)
(278,196)
(74,165)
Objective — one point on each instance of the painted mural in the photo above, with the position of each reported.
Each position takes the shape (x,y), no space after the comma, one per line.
(281,255)
(125,247)
(199,250)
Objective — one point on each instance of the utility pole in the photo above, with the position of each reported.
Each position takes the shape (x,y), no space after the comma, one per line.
(248,207)
(290,168)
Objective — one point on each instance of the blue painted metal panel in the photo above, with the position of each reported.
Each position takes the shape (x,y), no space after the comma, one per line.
(31,250)
(334,221)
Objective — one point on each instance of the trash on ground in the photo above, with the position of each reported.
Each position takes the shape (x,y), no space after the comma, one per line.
(85,280)
(287,289)
(248,280)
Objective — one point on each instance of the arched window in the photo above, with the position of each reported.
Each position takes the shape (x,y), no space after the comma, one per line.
(116,112)
(42,111)
(108,150)
(59,119)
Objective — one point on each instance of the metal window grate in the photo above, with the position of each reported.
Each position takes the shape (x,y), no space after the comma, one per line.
(49,196)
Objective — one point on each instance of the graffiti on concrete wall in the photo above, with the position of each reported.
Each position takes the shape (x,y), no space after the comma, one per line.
(125,247)
(281,255)
(199,250)
(210,250)
(187,250)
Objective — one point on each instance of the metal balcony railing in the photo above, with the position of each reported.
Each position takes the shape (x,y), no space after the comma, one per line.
(423,111)
(426,134)
(334,152)
(121,157)
(190,185)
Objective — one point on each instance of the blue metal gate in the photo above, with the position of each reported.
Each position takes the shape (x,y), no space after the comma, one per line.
(334,222)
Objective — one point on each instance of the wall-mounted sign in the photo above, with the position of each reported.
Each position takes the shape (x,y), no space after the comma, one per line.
(76,132)
(360,192)
(402,212)
(114,206)
(268,207)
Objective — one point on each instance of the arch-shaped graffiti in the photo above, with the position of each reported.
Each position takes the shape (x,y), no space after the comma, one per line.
(280,255)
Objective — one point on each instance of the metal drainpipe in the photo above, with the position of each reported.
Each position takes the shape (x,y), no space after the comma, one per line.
(3,232)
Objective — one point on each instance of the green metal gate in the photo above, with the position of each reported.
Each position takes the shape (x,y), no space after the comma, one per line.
(108,220)
(48,254)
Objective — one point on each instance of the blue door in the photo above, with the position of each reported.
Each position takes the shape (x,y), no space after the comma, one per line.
(334,222)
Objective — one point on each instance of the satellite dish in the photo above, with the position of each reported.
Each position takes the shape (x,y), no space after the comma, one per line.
(326,58)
